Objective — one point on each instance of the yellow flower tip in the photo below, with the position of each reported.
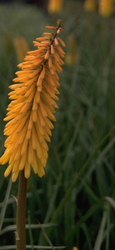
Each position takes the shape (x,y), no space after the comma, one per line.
(33,104)
(15,176)
(5,157)
(27,170)
(41,171)
(8,170)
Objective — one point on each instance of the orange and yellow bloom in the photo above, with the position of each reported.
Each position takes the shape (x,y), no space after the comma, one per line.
(33,103)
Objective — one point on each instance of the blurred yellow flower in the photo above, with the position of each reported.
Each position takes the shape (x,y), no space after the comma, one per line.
(33,103)
(75,248)
(106,7)
(71,53)
(55,6)
(21,48)
(90,5)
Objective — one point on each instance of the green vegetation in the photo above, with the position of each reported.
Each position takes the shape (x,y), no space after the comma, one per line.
(75,200)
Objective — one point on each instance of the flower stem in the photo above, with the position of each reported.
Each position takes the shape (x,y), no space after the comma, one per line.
(21,213)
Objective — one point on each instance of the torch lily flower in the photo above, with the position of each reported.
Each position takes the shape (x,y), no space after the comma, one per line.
(55,6)
(33,102)
(106,7)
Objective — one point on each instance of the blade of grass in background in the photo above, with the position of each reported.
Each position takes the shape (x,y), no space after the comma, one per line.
(2,214)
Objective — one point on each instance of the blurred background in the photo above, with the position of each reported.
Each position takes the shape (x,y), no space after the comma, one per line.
(86,217)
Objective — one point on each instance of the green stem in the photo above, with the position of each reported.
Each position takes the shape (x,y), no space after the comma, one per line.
(21,213)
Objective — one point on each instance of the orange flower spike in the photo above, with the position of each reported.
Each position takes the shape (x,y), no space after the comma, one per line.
(33,102)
